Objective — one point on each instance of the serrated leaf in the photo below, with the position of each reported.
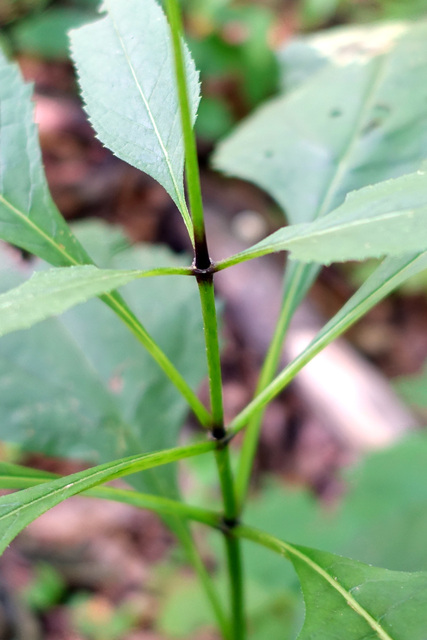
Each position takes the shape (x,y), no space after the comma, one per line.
(80,386)
(126,71)
(28,216)
(349,126)
(389,218)
(19,509)
(347,599)
(49,293)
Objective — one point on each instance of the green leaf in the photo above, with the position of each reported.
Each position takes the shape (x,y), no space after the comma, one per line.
(17,510)
(49,293)
(80,386)
(28,215)
(13,476)
(347,599)
(126,71)
(349,126)
(306,55)
(388,218)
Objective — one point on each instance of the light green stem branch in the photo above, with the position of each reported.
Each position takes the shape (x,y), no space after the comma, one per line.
(222,455)
(294,291)
(116,303)
(207,299)
(191,161)
(210,326)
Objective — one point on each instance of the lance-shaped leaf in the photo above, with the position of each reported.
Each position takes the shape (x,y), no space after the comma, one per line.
(349,126)
(389,218)
(49,293)
(19,509)
(28,215)
(126,71)
(348,599)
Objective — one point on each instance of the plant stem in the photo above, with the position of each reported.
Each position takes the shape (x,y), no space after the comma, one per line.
(293,291)
(222,456)
(277,385)
(202,260)
(210,326)
(232,544)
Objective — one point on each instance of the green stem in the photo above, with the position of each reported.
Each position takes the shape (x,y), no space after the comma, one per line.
(202,260)
(210,327)
(116,303)
(222,455)
(328,334)
(232,544)
(276,386)
(234,562)
(294,289)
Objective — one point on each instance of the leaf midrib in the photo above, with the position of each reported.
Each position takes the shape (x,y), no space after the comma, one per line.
(334,228)
(182,203)
(287,549)
(166,457)
(350,600)
(27,220)
(344,160)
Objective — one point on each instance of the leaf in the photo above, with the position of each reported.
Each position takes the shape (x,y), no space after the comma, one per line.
(349,126)
(49,293)
(306,55)
(17,510)
(347,599)
(389,218)
(126,72)
(80,386)
(28,216)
